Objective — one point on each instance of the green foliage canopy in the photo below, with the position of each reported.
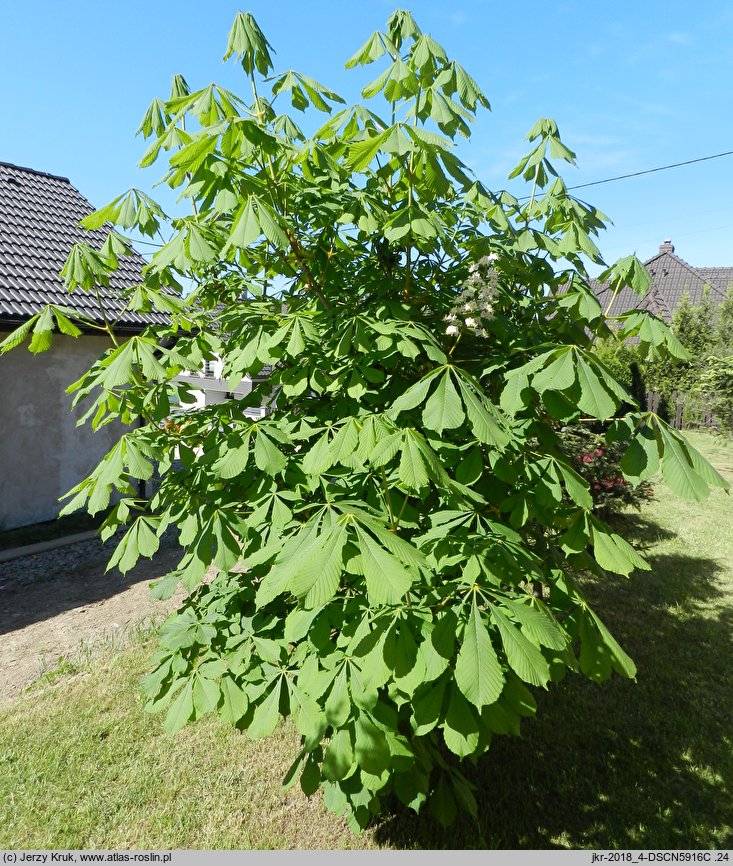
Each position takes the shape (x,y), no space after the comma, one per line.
(388,556)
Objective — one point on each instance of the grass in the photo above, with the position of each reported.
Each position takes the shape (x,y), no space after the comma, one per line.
(626,765)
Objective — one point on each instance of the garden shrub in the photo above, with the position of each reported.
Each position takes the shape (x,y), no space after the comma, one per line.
(599,463)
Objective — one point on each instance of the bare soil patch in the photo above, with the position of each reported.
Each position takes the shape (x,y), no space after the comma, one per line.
(45,620)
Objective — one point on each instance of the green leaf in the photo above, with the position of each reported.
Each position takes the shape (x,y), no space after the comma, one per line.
(594,397)
(309,718)
(512,398)
(245,228)
(576,486)
(318,576)
(370,747)
(205,695)
(234,701)
(18,335)
(478,672)
(139,540)
(387,579)
(298,623)
(268,456)
(623,664)
(181,709)
(460,728)
(537,623)
(486,428)
(64,325)
(370,51)
(413,396)
(427,707)
(271,228)
(438,648)
(338,705)
(266,716)
(523,656)
(629,272)
(412,470)
(248,43)
(558,375)
(677,469)
(233,461)
(443,411)
(42,332)
(641,459)
(614,553)
(339,757)
(198,247)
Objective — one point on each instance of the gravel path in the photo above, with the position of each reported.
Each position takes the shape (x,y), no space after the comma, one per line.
(54,602)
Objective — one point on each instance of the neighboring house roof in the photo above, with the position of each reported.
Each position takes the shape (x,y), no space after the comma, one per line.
(672,277)
(39,223)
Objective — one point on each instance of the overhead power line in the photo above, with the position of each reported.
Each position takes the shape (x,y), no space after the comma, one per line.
(652,170)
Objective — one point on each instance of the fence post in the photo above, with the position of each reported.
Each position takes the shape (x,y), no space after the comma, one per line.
(679,408)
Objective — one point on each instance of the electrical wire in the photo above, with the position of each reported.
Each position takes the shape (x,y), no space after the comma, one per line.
(652,170)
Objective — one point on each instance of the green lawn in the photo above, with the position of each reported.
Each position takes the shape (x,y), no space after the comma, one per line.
(646,764)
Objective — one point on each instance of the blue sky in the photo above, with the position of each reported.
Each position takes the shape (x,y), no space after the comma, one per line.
(632,85)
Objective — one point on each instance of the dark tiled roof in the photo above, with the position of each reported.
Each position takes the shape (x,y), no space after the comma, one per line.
(721,278)
(39,216)
(672,277)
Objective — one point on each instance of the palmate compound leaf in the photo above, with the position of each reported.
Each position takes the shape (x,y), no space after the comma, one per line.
(478,673)
(139,540)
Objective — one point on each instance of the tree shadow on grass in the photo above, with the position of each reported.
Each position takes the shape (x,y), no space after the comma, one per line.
(639,530)
(627,765)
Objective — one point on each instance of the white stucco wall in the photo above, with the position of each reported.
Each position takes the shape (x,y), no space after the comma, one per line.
(42,453)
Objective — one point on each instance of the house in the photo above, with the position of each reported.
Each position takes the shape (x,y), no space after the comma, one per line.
(43,454)
(42,451)
(208,386)
(672,279)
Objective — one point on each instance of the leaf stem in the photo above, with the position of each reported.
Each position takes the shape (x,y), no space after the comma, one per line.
(387,499)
